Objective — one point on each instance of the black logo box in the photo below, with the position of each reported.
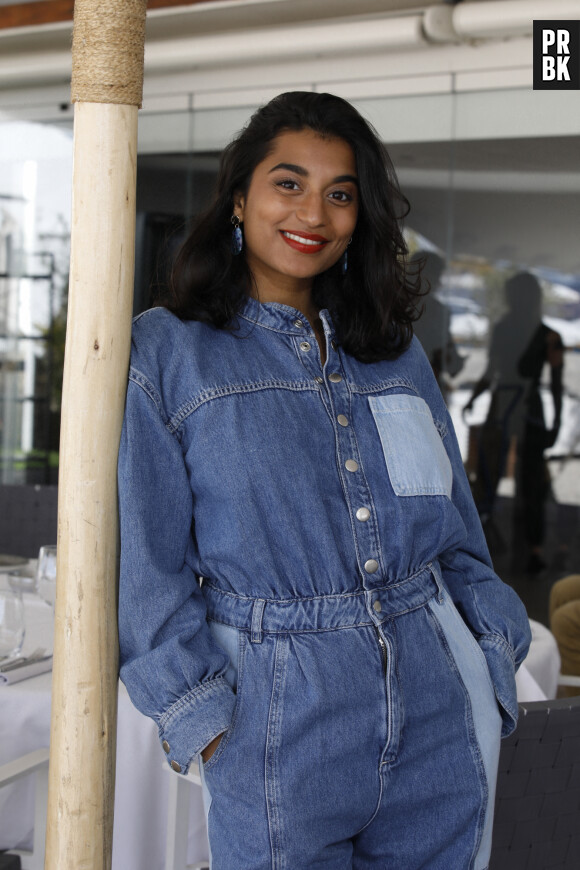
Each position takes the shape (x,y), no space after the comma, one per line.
(559,41)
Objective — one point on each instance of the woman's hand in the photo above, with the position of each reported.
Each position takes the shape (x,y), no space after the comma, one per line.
(209,750)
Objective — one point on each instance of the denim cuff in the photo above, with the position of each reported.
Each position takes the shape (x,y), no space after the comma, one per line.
(501,665)
(194,720)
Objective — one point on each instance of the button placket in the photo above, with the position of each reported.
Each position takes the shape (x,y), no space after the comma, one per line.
(337,398)
(305,348)
(355,485)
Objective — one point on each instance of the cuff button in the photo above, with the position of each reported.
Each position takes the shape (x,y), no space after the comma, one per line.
(176,766)
(165,746)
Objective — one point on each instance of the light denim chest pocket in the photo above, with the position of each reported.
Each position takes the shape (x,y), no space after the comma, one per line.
(414,453)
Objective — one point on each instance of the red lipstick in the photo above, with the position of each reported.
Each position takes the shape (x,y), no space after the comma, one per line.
(306,243)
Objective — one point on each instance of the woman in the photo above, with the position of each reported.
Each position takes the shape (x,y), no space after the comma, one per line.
(520,347)
(306,597)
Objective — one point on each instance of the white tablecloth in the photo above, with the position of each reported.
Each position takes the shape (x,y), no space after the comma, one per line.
(542,663)
(141,778)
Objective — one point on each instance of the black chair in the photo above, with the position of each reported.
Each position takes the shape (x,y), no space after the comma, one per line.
(28,519)
(537,808)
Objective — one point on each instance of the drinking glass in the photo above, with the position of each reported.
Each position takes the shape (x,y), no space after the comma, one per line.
(22,580)
(11,622)
(46,574)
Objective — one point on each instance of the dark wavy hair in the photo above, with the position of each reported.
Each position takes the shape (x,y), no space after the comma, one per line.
(375,303)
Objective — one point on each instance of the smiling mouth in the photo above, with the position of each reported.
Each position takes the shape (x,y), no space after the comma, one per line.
(307,244)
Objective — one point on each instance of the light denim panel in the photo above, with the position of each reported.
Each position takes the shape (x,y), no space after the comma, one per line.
(416,459)
(472,667)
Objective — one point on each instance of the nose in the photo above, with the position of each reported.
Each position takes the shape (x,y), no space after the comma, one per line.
(311,210)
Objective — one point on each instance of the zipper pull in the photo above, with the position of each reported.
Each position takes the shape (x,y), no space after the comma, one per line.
(383,648)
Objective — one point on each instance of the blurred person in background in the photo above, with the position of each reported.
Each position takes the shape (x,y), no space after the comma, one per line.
(521,345)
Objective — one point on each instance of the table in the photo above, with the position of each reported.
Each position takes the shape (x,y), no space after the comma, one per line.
(142,776)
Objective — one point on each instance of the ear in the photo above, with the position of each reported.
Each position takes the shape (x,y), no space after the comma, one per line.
(239,204)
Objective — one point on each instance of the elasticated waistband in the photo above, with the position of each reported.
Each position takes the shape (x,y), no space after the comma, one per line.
(325,612)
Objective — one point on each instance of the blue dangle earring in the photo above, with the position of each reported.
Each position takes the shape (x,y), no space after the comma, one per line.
(344,261)
(237,237)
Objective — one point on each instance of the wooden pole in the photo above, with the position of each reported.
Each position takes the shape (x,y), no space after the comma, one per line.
(108,42)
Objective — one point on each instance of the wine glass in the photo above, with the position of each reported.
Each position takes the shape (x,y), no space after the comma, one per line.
(11,622)
(22,580)
(46,574)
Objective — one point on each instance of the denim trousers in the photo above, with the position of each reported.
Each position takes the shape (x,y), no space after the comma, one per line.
(353,744)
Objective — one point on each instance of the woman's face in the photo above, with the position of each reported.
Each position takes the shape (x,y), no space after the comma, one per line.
(300,210)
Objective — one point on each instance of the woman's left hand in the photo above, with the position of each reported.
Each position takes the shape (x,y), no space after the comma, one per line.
(209,750)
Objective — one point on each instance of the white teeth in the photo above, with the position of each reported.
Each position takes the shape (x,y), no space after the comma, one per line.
(301,239)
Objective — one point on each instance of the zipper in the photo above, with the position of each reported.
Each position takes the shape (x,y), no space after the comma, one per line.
(386,659)
(383,649)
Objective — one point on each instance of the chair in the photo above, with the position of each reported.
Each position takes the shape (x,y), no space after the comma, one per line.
(33,762)
(564,609)
(537,808)
(29,518)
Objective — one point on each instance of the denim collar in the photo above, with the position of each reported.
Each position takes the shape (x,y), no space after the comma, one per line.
(282,318)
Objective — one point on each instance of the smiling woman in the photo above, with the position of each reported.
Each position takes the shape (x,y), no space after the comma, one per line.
(298,218)
(315,154)
(307,605)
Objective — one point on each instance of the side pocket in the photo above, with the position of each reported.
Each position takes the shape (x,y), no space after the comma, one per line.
(232,641)
(416,460)
(469,656)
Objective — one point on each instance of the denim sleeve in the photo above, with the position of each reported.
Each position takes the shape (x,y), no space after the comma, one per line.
(170,664)
(491,608)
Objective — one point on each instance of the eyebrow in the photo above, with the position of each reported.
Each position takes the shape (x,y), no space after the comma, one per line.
(300,170)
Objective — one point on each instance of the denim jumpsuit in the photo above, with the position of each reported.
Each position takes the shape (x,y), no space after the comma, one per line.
(302,568)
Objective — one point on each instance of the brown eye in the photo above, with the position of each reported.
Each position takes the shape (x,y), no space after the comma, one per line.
(341,196)
(287,184)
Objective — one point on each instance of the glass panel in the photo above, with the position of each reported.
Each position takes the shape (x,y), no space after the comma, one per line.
(35,191)
(170,189)
(493,180)
(498,199)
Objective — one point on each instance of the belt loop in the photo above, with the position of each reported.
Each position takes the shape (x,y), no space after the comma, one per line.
(257,612)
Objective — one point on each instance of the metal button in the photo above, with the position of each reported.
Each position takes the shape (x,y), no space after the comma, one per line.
(304,345)
(377,606)
(371,565)
(351,465)
(166,746)
(335,378)
(298,324)
(176,766)
(334,345)
(363,514)
(342,420)
(319,380)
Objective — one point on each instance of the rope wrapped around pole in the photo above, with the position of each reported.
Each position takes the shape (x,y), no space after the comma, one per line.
(107,52)
(108,46)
